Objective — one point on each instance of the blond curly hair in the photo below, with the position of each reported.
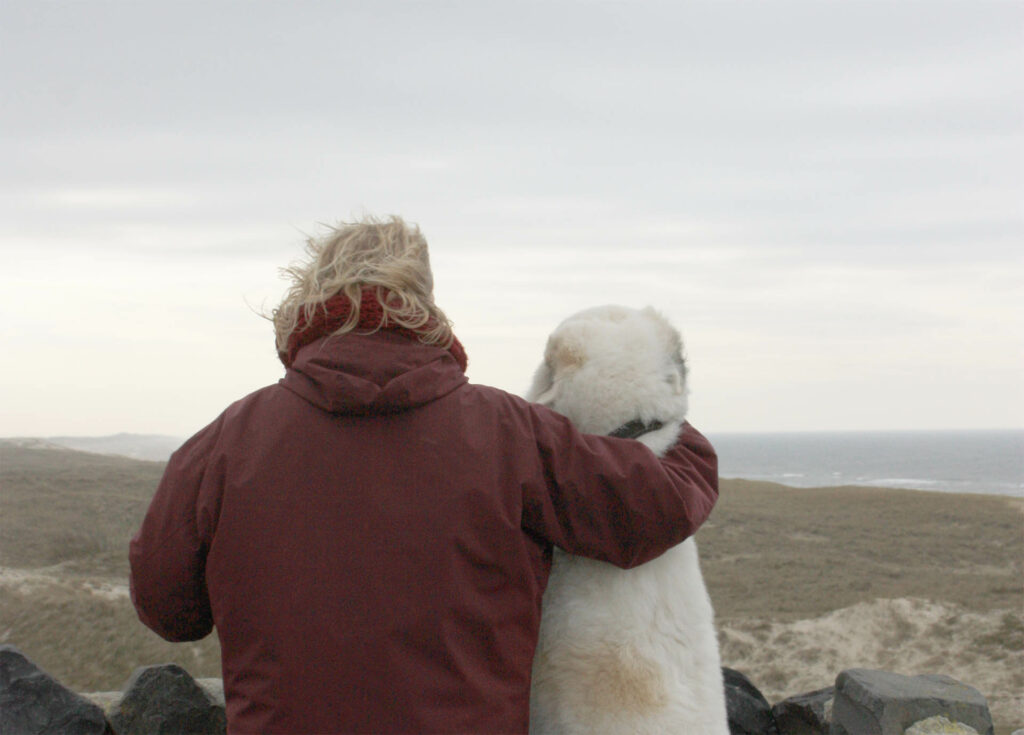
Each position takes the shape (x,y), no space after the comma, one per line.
(384,253)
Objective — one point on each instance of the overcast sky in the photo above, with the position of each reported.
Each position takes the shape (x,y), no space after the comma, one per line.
(826,198)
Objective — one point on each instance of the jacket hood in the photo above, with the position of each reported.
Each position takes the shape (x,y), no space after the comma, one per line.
(382,372)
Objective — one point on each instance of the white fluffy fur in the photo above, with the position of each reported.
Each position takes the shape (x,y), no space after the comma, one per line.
(630,652)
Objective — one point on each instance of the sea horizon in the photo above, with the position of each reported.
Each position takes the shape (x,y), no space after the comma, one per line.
(988,461)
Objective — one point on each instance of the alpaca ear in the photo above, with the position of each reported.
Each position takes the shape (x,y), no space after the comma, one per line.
(673,342)
(670,334)
(542,390)
(548,397)
(679,370)
(675,379)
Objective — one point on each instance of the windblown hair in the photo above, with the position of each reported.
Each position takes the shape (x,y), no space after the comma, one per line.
(386,254)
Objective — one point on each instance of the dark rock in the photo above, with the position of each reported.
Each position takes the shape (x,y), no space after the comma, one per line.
(749,712)
(805,714)
(882,703)
(166,700)
(34,703)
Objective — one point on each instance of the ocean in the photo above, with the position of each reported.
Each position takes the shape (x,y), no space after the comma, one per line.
(943,461)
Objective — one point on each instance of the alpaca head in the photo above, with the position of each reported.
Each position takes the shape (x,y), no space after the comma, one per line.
(609,365)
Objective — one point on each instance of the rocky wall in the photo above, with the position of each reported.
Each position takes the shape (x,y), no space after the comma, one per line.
(165,699)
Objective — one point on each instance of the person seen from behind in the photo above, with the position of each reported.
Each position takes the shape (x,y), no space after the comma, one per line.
(371,535)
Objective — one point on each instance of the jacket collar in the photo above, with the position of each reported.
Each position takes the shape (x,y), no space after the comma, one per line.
(382,372)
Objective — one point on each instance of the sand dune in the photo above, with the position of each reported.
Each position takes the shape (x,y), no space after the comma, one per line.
(805,582)
(31,581)
(906,636)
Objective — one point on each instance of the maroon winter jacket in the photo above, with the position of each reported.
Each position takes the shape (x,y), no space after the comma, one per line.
(372,535)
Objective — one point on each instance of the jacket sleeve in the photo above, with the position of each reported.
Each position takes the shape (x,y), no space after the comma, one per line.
(614,499)
(168,554)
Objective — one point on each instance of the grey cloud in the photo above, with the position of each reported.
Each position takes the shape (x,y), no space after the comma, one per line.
(793,124)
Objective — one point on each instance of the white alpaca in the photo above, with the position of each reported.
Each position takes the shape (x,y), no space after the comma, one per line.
(624,651)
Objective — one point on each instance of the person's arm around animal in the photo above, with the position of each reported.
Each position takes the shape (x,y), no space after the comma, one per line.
(615,500)
(604,498)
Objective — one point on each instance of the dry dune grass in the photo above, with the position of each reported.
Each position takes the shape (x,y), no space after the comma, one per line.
(71,508)
(791,553)
(805,582)
(90,642)
(65,521)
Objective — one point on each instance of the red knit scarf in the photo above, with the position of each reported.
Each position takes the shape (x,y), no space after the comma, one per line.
(371,318)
